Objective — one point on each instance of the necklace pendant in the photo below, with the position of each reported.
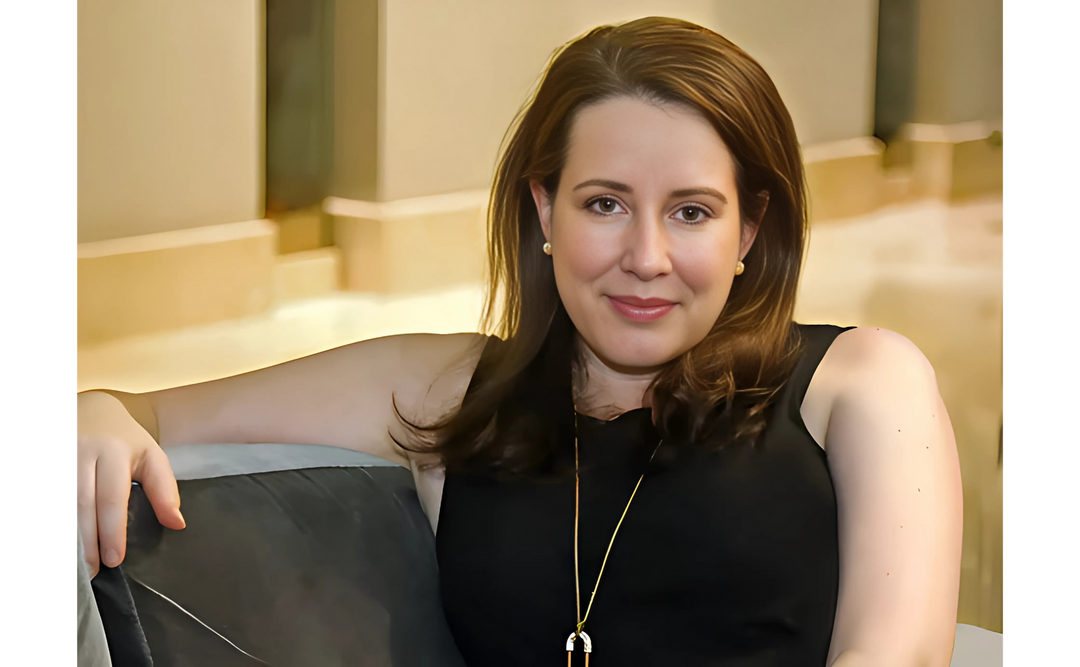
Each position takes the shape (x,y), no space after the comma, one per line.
(585,639)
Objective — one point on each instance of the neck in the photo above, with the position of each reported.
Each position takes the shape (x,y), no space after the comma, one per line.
(607,390)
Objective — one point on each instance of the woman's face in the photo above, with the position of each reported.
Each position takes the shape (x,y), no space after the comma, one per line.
(645,231)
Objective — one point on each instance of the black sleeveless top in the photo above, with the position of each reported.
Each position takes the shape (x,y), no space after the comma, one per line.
(726,558)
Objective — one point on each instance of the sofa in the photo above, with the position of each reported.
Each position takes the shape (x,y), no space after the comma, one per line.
(294,555)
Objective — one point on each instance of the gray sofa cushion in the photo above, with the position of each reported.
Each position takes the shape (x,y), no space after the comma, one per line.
(293,555)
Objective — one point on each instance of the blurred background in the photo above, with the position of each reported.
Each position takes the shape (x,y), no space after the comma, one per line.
(265,179)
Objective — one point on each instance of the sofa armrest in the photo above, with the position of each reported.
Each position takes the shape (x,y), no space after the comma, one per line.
(92,647)
(976,647)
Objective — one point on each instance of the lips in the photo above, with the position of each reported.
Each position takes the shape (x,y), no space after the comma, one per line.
(637,309)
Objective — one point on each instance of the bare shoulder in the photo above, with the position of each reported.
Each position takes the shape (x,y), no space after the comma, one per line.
(865,366)
(874,344)
(872,363)
(881,387)
(436,371)
(435,375)
(881,367)
(440,351)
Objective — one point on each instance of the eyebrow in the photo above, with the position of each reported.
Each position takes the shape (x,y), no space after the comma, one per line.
(623,187)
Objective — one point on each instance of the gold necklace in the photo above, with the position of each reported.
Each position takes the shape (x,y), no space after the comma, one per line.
(579,631)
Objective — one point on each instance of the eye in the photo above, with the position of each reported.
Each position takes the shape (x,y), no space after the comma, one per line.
(693,214)
(604,205)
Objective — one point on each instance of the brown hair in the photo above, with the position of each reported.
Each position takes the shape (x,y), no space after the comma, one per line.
(518,408)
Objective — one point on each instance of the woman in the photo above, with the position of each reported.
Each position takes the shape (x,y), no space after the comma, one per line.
(748,491)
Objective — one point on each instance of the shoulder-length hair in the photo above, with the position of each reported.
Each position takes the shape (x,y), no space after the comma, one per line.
(517,414)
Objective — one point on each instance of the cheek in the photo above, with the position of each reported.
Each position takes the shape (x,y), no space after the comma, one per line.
(705,276)
(706,269)
(706,266)
(578,273)
(583,254)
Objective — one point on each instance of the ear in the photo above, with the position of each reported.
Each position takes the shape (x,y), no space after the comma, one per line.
(543,207)
(750,227)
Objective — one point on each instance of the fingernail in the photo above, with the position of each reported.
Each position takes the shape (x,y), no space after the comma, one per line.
(111,558)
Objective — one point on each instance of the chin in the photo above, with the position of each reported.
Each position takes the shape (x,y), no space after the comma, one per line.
(636,351)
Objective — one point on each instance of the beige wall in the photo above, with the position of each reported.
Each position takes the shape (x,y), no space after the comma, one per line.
(820,53)
(959,68)
(454,74)
(171,100)
(170,115)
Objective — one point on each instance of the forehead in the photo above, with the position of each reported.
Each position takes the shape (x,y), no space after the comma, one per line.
(636,141)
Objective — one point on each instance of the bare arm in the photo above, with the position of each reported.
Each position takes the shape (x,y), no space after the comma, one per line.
(893,459)
(342,397)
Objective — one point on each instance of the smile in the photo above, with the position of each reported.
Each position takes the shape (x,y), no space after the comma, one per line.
(640,310)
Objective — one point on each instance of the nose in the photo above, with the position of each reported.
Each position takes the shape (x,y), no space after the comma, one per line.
(646,250)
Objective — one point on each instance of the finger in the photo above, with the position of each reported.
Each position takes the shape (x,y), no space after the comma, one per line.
(113,492)
(88,514)
(155,475)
